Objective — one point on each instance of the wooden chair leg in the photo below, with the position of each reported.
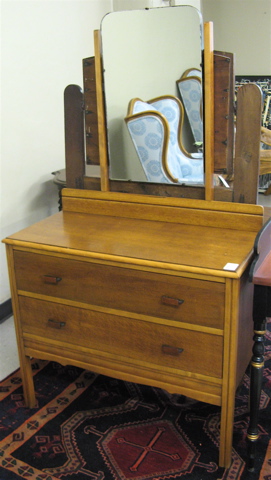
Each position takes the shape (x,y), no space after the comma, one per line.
(261,296)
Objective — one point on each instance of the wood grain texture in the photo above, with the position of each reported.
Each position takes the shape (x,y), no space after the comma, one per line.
(223,112)
(164,201)
(199,387)
(74,136)
(106,287)
(106,333)
(135,241)
(175,210)
(247,144)
(91,122)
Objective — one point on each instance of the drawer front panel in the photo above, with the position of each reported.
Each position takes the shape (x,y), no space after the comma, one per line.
(165,296)
(128,339)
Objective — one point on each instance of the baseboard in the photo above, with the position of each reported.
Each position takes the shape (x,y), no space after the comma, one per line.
(5,310)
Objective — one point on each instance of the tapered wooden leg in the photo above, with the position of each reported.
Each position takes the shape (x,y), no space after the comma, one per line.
(28,382)
(25,361)
(226,433)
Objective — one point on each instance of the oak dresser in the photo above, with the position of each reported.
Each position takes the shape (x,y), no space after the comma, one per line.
(151,291)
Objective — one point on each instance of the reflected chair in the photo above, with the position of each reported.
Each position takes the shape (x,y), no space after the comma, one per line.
(190,89)
(192,72)
(155,128)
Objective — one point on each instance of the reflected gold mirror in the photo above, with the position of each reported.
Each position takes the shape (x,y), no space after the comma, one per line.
(145,54)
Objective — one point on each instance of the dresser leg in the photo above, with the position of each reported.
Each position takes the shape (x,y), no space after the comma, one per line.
(28,382)
(226,433)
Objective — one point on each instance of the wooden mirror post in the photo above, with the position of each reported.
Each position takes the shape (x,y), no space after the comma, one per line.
(208,95)
(103,150)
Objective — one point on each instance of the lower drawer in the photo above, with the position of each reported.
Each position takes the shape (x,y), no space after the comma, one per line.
(129,339)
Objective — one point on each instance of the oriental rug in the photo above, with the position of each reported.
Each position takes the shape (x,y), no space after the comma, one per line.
(91,427)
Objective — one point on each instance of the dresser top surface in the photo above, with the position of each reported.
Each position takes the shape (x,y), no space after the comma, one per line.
(159,244)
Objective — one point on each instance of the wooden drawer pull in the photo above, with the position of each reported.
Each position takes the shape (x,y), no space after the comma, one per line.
(55,324)
(174,302)
(169,350)
(51,279)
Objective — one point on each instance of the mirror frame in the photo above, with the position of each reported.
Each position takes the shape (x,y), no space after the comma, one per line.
(208,95)
(135,44)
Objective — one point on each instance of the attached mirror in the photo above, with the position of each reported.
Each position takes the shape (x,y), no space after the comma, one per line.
(145,53)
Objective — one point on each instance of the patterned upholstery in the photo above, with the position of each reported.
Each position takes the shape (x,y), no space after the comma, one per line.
(155,129)
(148,134)
(191,95)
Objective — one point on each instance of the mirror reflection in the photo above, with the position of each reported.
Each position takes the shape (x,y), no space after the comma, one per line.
(153,100)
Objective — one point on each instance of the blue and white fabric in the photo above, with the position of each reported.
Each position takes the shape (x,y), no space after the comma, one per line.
(155,128)
(191,94)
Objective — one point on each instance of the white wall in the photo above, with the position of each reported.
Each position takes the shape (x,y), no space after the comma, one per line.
(43,44)
(193,3)
(137,4)
(244,28)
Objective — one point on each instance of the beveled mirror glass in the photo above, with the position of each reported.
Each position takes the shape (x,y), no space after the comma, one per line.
(144,54)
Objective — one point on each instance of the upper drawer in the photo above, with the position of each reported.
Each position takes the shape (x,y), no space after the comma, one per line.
(166,296)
